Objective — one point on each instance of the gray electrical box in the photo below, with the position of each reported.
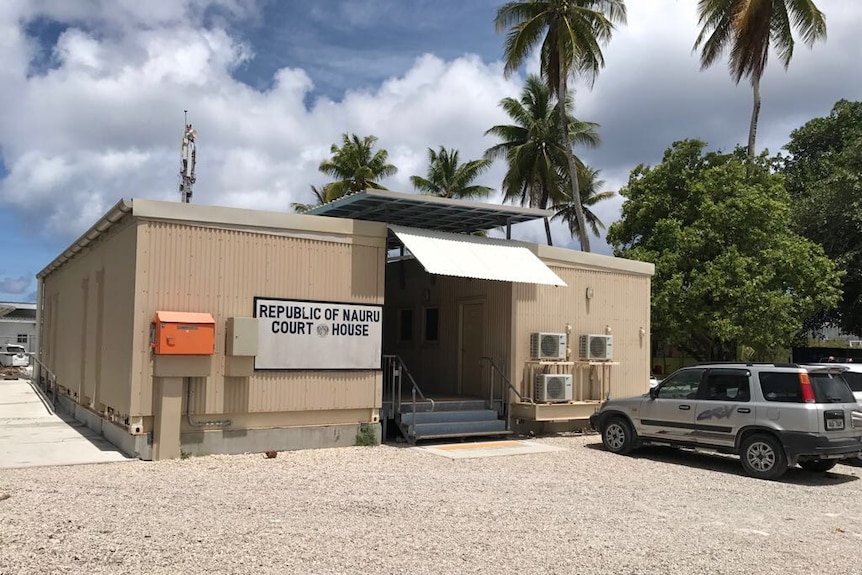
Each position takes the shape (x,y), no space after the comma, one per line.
(241,336)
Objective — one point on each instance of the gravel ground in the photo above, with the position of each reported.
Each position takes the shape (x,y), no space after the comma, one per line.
(392,509)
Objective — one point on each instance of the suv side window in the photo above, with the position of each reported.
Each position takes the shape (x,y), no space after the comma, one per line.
(681,385)
(727,385)
(854,379)
(780,387)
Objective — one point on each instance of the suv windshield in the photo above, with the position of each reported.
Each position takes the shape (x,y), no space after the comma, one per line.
(14,349)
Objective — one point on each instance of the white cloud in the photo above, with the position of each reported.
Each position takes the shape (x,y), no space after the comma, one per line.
(15,286)
(106,123)
(106,120)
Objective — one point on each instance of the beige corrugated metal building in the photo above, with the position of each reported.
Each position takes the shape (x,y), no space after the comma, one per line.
(267,281)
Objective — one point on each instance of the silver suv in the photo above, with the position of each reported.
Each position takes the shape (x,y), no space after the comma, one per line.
(773,416)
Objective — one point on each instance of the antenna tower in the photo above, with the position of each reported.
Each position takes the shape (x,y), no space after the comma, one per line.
(187,161)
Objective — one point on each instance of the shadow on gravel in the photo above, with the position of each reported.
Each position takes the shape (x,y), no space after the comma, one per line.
(730,465)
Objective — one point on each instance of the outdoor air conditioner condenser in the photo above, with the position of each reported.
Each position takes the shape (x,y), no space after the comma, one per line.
(551,346)
(596,347)
(553,387)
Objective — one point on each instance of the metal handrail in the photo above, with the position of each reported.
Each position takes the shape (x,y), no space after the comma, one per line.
(398,367)
(506,379)
(504,404)
(50,382)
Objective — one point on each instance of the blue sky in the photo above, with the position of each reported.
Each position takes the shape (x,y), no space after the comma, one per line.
(92,95)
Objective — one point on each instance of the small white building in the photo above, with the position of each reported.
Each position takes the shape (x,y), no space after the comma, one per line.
(18,324)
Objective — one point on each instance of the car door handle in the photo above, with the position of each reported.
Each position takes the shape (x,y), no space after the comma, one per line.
(743,410)
(685,407)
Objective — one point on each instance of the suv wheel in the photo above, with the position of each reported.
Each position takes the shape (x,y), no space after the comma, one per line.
(763,457)
(818,465)
(617,436)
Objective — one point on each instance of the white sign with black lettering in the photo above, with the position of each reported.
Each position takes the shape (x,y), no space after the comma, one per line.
(317,335)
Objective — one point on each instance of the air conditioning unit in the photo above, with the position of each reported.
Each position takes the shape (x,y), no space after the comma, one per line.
(596,347)
(553,387)
(548,346)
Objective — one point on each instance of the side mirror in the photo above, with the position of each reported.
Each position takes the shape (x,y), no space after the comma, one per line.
(653,392)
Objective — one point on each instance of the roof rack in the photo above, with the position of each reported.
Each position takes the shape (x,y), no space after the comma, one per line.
(749,363)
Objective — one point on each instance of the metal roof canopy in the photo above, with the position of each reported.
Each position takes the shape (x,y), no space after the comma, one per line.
(428,212)
(468,256)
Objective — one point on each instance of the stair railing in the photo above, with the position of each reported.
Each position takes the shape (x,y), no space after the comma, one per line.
(394,370)
(505,411)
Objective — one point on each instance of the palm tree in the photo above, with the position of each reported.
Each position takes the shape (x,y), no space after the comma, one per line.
(590,196)
(570,33)
(356,166)
(323,195)
(747,27)
(449,179)
(533,149)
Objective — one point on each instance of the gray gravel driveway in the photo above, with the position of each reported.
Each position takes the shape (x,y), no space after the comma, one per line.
(393,509)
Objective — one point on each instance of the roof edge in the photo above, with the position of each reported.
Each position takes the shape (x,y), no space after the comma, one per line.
(106,222)
(567,256)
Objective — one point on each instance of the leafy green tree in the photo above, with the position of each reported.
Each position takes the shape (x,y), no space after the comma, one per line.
(322,196)
(534,152)
(448,178)
(747,28)
(590,196)
(570,34)
(729,269)
(356,166)
(824,178)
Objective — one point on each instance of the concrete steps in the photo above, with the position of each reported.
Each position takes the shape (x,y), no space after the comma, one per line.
(449,419)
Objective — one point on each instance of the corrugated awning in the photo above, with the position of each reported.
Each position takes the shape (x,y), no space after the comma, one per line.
(468,256)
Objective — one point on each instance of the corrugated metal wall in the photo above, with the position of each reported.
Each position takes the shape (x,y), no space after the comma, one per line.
(436,364)
(208,269)
(620,302)
(88,321)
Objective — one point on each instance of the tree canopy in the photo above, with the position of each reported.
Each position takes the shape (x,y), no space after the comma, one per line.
(590,196)
(824,178)
(570,34)
(536,156)
(448,178)
(747,29)
(356,166)
(729,269)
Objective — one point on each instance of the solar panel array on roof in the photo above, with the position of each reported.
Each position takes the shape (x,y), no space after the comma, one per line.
(427,212)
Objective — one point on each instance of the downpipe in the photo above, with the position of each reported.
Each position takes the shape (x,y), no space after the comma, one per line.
(189,397)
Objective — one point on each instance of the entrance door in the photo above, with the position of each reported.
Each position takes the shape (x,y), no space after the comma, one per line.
(470,381)
(671,413)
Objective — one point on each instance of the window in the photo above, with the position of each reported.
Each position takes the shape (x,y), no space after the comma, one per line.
(785,388)
(406,325)
(432,323)
(781,387)
(682,385)
(727,385)
(854,379)
(22,338)
(831,388)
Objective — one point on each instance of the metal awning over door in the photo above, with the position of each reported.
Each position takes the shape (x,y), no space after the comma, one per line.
(476,257)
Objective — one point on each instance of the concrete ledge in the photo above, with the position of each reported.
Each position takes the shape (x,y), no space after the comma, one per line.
(130,445)
(217,441)
(227,442)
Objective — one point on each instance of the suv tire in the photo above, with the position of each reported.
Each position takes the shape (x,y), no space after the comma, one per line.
(617,435)
(818,465)
(763,456)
